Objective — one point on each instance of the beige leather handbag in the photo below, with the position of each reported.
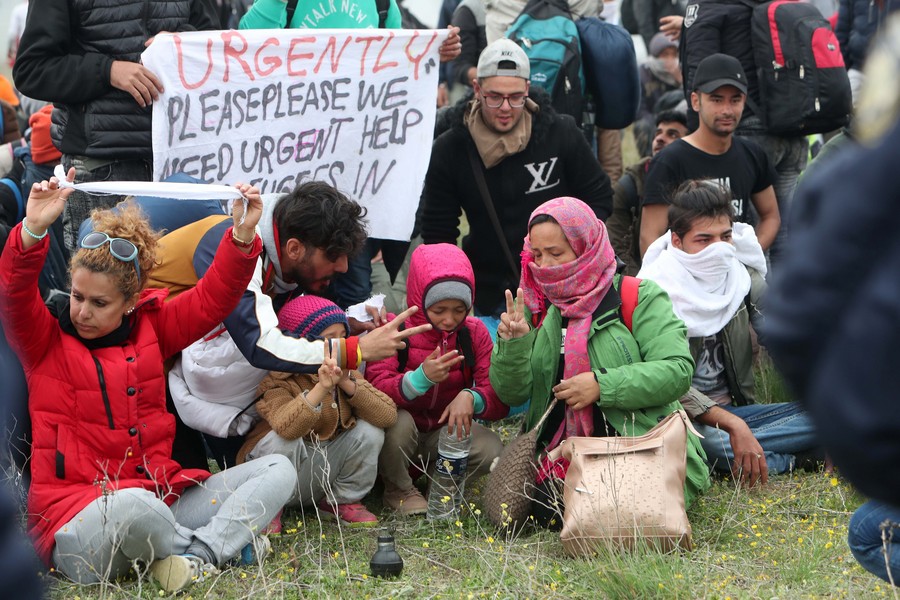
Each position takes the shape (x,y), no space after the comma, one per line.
(624,491)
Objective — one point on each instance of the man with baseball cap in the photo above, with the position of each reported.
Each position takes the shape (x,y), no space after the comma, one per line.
(713,153)
(509,142)
(712,26)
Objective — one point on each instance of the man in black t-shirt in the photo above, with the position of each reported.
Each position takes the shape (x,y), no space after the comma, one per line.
(712,152)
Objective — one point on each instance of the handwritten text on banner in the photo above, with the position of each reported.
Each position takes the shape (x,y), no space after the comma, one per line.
(352,108)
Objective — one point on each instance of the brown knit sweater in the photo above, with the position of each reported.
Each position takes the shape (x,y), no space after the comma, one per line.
(285,411)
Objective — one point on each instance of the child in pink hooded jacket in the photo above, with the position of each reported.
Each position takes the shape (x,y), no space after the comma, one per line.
(444,381)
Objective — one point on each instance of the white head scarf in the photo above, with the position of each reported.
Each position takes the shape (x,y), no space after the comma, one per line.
(708,287)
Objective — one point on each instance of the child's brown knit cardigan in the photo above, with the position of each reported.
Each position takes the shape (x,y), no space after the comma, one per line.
(284,409)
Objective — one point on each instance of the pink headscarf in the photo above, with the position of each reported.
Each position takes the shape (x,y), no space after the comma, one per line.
(575,288)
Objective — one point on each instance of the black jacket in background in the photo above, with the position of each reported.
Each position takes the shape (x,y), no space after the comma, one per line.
(833,313)
(647,13)
(65,56)
(557,162)
(469,17)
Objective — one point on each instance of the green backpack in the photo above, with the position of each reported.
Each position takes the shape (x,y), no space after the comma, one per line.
(548,35)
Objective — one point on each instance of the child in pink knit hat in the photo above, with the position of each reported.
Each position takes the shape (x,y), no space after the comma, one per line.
(331,425)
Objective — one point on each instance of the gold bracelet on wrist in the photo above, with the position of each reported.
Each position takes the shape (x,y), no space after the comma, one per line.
(241,243)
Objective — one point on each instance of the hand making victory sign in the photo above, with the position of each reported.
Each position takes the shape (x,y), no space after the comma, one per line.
(513,323)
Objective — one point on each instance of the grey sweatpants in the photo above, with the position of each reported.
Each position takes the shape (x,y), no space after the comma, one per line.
(342,469)
(223,513)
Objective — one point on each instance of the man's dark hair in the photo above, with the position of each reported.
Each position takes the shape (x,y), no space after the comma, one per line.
(698,199)
(671,116)
(321,217)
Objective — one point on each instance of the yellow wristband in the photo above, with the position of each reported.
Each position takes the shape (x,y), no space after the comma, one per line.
(358,356)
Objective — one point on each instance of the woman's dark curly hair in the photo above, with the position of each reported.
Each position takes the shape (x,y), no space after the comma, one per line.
(320,216)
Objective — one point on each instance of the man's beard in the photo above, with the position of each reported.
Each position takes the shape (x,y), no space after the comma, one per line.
(302,275)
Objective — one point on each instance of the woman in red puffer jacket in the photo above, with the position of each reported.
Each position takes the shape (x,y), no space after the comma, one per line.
(105,491)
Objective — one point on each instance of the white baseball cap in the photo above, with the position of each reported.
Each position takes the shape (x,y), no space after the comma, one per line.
(503,57)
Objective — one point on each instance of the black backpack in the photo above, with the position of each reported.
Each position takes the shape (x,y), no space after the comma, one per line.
(803,84)
(548,35)
(610,71)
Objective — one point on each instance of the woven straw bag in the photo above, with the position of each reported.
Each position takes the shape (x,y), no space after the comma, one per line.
(506,498)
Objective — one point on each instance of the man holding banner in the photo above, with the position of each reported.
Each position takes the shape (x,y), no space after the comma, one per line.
(85,58)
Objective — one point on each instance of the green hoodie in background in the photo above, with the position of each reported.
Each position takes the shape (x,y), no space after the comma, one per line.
(641,375)
(319,14)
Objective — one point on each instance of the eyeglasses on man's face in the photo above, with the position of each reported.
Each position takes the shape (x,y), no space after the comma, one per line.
(494,100)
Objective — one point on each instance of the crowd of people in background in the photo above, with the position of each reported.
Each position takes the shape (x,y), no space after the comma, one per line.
(139,345)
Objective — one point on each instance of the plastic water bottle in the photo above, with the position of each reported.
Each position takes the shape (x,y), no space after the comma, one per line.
(445,495)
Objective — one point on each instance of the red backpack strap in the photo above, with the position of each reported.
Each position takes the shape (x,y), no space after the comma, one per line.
(628,290)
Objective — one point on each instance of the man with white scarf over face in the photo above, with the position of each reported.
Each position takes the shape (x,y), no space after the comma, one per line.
(713,270)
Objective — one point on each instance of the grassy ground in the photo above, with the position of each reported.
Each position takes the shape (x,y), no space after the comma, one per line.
(787,540)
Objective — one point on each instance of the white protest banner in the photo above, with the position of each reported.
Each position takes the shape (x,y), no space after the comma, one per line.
(353,108)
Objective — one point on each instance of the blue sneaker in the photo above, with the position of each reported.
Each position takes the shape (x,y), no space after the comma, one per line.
(256,551)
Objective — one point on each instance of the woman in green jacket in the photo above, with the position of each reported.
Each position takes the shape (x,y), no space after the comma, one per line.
(562,337)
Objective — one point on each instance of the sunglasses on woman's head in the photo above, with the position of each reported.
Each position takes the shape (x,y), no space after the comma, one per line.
(120,248)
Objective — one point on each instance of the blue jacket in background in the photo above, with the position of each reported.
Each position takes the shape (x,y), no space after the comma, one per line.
(833,320)
(858,22)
